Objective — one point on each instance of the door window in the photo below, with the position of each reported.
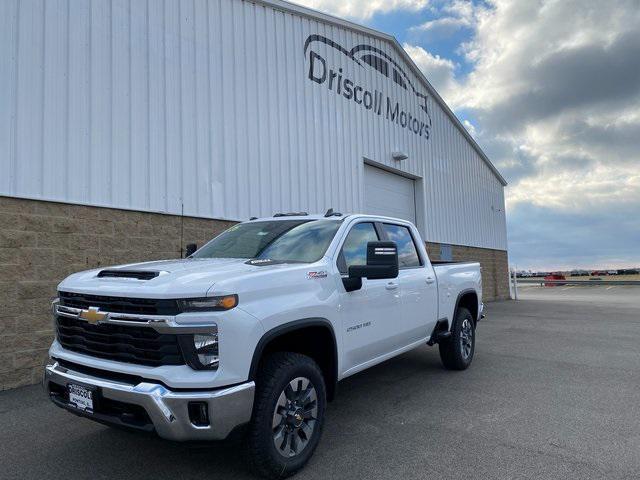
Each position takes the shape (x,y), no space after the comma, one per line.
(407,252)
(354,249)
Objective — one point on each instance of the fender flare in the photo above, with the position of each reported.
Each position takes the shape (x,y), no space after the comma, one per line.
(291,327)
(462,294)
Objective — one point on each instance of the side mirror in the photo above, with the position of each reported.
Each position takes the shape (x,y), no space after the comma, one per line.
(382,262)
(191,249)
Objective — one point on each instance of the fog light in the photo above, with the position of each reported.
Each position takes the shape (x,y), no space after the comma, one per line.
(199,414)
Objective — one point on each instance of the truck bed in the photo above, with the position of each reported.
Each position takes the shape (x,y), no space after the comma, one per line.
(455,278)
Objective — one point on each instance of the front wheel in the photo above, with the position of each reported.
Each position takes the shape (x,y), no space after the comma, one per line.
(457,352)
(288,415)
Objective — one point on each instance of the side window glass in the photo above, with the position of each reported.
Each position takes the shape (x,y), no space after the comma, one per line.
(354,249)
(407,252)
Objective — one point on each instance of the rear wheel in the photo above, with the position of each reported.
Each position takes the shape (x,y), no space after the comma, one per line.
(288,415)
(457,352)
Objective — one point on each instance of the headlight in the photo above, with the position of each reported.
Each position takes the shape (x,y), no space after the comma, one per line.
(206,349)
(200,350)
(205,304)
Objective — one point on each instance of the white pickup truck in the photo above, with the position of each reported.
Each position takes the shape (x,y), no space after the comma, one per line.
(255,329)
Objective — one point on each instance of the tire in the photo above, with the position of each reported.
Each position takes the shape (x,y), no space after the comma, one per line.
(288,415)
(457,352)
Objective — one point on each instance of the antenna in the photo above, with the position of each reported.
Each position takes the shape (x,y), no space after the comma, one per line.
(331,213)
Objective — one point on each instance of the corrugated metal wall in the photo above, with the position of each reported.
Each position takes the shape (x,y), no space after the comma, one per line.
(152,105)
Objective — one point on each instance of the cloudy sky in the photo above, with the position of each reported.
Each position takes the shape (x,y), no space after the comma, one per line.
(551,91)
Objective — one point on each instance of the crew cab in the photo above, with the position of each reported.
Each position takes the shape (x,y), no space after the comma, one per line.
(253,331)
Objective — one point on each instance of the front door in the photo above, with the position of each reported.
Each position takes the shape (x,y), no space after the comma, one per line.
(371,316)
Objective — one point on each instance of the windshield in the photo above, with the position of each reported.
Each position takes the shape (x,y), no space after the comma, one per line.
(303,241)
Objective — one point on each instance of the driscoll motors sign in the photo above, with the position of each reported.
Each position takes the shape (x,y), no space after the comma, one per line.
(414,117)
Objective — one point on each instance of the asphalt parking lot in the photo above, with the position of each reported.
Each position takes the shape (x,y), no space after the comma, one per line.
(554,392)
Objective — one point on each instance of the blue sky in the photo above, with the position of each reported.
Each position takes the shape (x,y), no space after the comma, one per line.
(551,91)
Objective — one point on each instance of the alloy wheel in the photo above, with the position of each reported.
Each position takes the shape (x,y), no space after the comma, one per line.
(295,417)
(466,339)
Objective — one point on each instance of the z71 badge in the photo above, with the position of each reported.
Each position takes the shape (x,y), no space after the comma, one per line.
(320,274)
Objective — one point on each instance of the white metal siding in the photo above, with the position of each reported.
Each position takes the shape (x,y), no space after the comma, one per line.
(388,194)
(149,105)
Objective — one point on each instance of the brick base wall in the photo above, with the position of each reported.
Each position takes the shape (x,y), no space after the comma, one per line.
(494,263)
(43,242)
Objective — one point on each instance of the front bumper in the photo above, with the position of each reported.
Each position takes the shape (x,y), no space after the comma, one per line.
(167,411)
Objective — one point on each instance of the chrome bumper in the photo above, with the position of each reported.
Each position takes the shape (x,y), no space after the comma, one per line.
(167,409)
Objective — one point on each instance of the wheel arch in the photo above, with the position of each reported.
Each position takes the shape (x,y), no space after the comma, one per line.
(308,336)
(468,299)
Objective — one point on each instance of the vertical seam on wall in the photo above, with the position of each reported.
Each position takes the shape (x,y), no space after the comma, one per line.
(180,108)
(129,22)
(89,125)
(44,102)
(16,84)
(196,117)
(67,110)
(209,110)
(148,199)
(111,89)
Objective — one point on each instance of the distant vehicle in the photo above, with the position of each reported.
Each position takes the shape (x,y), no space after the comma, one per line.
(579,273)
(629,271)
(612,272)
(554,277)
(599,273)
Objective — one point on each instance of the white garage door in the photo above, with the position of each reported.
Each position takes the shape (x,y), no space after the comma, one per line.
(388,194)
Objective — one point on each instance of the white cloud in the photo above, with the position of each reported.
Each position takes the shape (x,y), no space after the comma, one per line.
(562,94)
(439,71)
(471,128)
(441,27)
(362,9)
(451,17)
(555,91)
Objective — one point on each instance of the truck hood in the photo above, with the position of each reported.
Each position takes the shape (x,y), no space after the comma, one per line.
(175,278)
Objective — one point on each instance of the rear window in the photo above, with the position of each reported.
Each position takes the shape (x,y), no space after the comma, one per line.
(407,251)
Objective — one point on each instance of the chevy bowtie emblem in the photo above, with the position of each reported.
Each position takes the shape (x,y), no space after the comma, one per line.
(93,315)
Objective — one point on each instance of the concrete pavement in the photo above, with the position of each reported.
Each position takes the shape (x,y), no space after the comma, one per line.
(554,392)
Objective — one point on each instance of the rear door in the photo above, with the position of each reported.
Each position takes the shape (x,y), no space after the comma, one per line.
(417,284)
(371,316)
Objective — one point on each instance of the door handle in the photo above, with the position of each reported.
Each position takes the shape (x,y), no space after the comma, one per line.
(430,280)
(391,286)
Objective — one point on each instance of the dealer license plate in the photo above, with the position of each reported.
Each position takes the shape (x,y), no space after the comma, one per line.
(80,397)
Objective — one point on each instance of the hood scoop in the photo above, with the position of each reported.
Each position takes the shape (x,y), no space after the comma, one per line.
(137,274)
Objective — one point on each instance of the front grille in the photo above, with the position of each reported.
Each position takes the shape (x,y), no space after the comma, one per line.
(123,343)
(141,306)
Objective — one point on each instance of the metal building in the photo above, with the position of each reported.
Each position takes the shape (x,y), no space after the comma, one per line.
(221,110)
